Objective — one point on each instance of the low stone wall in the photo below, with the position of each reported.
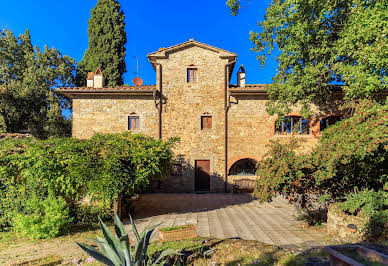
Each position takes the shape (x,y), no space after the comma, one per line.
(338,221)
(4,136)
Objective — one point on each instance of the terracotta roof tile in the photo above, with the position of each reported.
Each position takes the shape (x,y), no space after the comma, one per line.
(248,87)
(124,88)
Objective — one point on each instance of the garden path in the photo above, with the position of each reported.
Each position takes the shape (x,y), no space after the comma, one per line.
(229,216)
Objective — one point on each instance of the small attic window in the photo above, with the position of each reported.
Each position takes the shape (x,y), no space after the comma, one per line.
(192,74)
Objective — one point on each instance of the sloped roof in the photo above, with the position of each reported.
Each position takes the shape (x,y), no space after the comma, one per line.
(162,52)
(262,89)
(124,89)
(248,89)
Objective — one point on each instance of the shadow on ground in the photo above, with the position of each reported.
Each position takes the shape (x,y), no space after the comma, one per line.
(164,203)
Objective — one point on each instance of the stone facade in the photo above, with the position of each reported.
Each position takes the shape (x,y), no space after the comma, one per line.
(109,114)
(249,128)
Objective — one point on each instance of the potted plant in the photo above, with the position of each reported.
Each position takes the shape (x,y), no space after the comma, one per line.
(177,233)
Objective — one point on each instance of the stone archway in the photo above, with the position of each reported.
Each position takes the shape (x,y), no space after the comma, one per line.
(245,166)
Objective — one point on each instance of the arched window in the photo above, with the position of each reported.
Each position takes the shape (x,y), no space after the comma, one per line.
(328,121)
(292,125)
(243,167)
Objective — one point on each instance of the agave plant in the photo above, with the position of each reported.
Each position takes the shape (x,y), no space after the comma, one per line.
(116,250)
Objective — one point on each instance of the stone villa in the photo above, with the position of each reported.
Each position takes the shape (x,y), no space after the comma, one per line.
(223,129)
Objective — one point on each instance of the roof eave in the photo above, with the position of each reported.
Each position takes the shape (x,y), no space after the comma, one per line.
(71,94)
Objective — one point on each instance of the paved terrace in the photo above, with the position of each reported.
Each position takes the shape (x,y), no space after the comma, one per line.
(229,216)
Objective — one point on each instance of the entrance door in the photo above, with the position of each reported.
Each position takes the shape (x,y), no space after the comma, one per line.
(202,175)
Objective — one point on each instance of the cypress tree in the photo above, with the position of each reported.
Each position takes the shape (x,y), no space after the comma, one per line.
(106,49)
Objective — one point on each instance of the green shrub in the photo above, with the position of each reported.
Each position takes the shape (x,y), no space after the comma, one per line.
(42,218)
(370,204)
(352,155)
(282,171)
(88,213)
(99,169)
(366,201)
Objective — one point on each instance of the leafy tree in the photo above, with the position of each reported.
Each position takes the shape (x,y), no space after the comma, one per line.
(323,42)
(106,49)
(352,155)
(27,77)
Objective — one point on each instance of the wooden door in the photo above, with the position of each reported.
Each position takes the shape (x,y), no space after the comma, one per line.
(202,175)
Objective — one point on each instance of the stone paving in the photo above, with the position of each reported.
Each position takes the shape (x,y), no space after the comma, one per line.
(228,216)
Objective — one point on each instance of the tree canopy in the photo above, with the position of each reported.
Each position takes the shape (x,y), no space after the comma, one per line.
(323,42)
(106,49)
(28,75)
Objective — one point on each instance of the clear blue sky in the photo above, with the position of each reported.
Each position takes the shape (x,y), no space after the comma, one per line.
(149,25)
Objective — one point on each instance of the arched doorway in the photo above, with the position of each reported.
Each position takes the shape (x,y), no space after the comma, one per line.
(243,167)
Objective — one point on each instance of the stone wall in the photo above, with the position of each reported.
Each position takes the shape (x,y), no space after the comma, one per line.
(185,103)
(250,129)
(338,220)
(109,114)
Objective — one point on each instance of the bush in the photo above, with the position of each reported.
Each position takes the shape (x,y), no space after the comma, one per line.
(42,218)
(99,169)
(282,171)
(371,204)
(351,155)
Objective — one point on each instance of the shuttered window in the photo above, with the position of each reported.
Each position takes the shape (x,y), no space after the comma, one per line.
(206,122)
(192,75)
(133,122)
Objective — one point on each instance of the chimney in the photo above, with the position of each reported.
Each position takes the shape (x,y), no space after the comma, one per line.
(89,80)
(98,79)
(241,77)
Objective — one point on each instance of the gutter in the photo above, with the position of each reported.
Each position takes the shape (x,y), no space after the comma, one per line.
(159,105)
(226,108)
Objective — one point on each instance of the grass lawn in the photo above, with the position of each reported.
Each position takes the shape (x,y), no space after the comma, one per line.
(63,249)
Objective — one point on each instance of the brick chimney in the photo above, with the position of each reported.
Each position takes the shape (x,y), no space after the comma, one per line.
(241,77)
(96,79)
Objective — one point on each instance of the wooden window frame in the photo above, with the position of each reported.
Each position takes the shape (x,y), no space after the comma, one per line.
(190,78)
(281,131)
(134,117)
(205,126)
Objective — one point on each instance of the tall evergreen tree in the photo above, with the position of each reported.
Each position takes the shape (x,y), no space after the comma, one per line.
(106,49)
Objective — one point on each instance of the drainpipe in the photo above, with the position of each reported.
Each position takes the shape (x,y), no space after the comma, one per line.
(159,73)
(226,108)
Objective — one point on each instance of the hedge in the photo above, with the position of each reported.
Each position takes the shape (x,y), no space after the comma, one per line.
(87,174)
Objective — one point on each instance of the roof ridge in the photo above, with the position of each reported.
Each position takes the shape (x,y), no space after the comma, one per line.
(190,41)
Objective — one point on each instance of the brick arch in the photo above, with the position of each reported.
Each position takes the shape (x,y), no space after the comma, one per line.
(315,123)
(233,160)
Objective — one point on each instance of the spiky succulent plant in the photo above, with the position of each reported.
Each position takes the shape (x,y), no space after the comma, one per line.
(117,250)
